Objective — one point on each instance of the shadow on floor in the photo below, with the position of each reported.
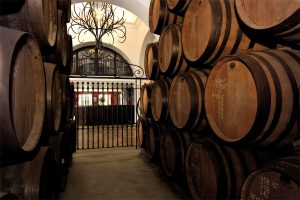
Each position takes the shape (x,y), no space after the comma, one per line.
(118,173)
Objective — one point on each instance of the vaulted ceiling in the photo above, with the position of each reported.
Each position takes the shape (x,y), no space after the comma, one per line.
(138,7)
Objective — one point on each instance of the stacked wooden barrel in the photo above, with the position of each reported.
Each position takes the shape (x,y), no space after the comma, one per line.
(37,134)
(229,73)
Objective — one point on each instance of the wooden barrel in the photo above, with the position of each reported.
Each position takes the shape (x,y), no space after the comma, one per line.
(54,97)
(178,6)
(159,100)
(22,93)
(210,31)
(34,179)
(70,130)
(170,55)
(186,100)
(38,17)
(59,54)
(73,134)
(8,7)
(152,70)
(160,16)
(143,126)
(279,180)
(69,61)
(146,100)
(153,141)
(60,143)
(72,100)
(253,98)
(66,99)
(65,6)
(173,149)
(215,171)
(275,17)
(7,196)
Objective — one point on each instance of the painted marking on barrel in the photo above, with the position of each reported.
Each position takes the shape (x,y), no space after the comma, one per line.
(221,85)
(193,23)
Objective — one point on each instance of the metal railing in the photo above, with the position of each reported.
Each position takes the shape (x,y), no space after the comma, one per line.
(105,111)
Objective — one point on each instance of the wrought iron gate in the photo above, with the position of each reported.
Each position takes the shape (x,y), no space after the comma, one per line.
(106,111)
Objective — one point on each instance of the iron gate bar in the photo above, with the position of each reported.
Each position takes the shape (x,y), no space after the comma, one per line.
(77,116)
(102,117)
(117,114)
(112,116)
(122,116)
(126,113)
(87,115)
(98,115)
(115,120)
(131,113)
(83,119)
(107,127)
(93,129)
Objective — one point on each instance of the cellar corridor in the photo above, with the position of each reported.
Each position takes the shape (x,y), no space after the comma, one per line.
(118,173)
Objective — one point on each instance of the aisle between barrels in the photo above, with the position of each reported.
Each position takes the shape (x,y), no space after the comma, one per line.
(117,173)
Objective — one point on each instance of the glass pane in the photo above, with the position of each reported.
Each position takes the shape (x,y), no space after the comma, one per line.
(85,99)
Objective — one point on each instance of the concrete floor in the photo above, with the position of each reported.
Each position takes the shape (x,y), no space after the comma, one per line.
(118,173)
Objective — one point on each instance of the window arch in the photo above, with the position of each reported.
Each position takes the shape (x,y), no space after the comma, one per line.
(107,63)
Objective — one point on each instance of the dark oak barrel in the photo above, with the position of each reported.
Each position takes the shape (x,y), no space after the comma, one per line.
(152,70)
(65,6)
(66,99)
(38,17)
(153,141)
(146,100)
(160,16)
(143,128)
(296,145)
(33,179)
(22,94)
(279,180)
(54,97)
(9,6)
(173,149)
(73,134)
(186,100)
(170,55)
(215,171)
(68,67)
(159,100)
(59,53)
(61,145)
(72,100)
(254,98)
(210,31)
(7,196)
(275,17)
(70,130)
(178,6)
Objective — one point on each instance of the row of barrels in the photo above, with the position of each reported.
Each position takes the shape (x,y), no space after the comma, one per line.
(43,174)
(250,98)
(209,169)
(38,17)
(226,84)
(38,135)
(197,33)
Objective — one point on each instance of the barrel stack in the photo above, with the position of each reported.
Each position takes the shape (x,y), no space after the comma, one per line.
(37,134)
(225,94)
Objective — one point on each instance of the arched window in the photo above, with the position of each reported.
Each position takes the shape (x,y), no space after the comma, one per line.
(107,63)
